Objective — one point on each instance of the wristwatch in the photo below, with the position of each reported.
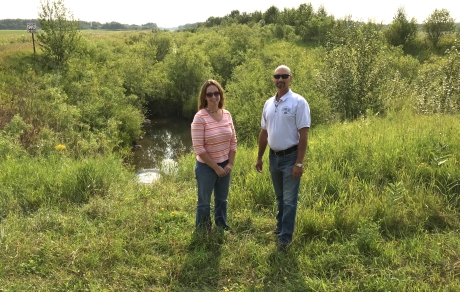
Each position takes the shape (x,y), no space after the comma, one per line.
(299,165)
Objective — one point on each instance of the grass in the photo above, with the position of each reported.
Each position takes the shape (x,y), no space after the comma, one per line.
(21,40)
(378,211)
(13,32)
(14,41)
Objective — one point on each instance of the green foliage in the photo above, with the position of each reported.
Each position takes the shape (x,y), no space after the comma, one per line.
(354,69)
(59,37)
(163,43)
(15,128)
(438,24)
(242,39)
(83,107)
(303,15)
(271,15)
(9,138)
(401,31)
(30,184)
(244,102)
(307,25)
(317,28)
(438,85)
(187,69)
(113,25)
(367,239)
(221,55)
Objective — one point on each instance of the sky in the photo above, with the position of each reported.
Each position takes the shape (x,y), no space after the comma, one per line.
(172,13)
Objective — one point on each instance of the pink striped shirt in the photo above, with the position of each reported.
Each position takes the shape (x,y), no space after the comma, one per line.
(215,138)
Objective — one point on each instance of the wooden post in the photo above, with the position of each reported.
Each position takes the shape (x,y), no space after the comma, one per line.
(32,27)
(33,41)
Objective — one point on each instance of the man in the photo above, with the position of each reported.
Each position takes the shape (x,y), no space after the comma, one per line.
(285,123)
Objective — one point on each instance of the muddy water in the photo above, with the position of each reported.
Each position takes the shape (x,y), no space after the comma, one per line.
(166,138)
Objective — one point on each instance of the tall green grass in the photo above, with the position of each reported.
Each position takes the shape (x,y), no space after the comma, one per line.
(378,211)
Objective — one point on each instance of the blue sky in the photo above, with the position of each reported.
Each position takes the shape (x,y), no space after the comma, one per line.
(171,13)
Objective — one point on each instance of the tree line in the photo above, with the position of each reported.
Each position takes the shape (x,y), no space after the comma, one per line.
(21,24)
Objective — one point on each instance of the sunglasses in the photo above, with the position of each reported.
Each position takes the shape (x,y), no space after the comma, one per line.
(215,93)
(284,76)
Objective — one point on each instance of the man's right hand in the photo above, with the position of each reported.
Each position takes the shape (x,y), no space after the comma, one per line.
(259,165)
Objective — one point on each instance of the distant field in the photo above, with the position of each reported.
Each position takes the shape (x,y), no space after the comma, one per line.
(13,32)
(8,37)
(15,41)
(86,31)
(21,40)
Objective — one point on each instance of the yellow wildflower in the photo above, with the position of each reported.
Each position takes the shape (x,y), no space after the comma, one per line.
(60,147)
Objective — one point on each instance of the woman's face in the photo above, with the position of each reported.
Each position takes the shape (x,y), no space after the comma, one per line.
(212,96)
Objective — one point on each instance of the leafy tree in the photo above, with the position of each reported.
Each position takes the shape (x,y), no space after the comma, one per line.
(213,21)
(311,26)
(319,26)
(271,15)
(220,56)
(244,102)
(257,16)
(303,16)
(59,37)
(234,14)
(354,69)
(113,25)
(244,18)
(401,31)
(95,25)
(288,16)
(438,24)
(150,25)
(186,69)
(438,84)
(163,43)
(242,38)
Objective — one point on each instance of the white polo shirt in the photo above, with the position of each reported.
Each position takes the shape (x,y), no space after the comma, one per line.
(283,120)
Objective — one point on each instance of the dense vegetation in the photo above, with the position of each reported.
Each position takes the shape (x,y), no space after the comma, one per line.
(379,205)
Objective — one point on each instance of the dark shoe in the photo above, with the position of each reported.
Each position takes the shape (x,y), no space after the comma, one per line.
(282,246)
(276,231)
(224,227)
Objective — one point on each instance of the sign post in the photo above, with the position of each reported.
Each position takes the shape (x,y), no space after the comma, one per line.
(32,28)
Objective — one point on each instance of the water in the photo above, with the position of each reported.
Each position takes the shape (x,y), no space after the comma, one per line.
(165,138)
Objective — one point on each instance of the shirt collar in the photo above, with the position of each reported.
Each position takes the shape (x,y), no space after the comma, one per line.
(285,96)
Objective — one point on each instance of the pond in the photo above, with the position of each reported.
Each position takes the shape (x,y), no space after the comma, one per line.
(165,138)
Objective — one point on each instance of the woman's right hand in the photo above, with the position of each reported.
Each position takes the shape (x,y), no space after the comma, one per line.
(220,171)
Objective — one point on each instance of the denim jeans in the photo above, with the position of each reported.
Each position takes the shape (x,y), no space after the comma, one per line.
(207,182)
(287,193)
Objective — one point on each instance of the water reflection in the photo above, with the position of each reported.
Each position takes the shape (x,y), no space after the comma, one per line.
(166,138)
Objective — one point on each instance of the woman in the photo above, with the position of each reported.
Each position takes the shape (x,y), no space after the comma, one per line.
(214,143)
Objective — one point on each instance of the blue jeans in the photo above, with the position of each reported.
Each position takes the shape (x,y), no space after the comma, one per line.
(207,182)
(287,193)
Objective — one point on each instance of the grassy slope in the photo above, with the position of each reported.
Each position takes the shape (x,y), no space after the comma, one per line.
(378,211)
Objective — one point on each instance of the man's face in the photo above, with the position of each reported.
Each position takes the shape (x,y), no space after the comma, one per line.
(282,78)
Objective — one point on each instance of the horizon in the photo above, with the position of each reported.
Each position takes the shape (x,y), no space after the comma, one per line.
(177,13)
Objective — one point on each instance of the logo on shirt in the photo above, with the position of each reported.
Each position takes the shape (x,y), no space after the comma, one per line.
(285,110)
